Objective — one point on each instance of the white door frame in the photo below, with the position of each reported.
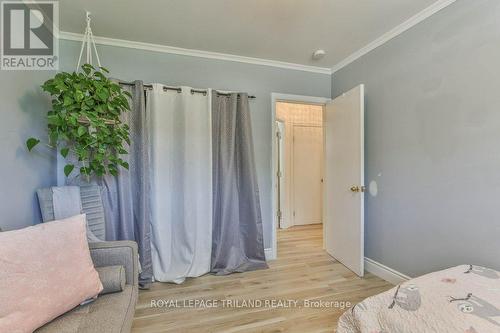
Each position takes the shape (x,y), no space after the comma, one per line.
(279,180)
(277,97)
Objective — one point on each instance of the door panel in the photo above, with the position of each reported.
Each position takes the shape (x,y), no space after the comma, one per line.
(307,174)
(344,179)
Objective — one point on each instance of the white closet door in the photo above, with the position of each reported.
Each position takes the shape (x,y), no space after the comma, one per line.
(307,174)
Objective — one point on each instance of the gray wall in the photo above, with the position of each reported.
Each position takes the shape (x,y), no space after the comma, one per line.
(433,140)
(432,132)
(23,109)
(131,64)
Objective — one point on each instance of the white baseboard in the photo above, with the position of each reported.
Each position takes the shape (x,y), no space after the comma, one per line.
(270,255)
(385,272)
(372,266)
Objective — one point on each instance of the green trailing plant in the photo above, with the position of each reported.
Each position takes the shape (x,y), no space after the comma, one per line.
(85,123)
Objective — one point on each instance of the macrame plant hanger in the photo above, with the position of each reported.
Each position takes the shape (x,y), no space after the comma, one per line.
(88,43)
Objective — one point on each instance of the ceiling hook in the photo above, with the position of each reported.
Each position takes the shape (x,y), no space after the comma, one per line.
(88,16)
(88,43)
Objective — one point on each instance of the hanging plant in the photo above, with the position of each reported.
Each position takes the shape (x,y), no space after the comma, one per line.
(85,122)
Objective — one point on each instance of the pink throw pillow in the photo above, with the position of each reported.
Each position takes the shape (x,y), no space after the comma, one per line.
(45,271)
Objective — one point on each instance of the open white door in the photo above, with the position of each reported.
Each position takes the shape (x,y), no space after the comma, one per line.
(344,179)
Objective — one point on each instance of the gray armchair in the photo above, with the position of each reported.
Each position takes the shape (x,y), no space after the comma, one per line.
(109,313)
(117,253)
(91,204)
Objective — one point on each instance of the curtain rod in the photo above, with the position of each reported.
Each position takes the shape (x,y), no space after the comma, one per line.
(193,91)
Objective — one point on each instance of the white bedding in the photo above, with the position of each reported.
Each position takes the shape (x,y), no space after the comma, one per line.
(462,299)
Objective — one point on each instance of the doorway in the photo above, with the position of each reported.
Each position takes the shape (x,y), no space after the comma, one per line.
(299,140)
(298,164)
(337,170)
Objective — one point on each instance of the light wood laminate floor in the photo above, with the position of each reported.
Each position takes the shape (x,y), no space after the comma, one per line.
(303,271)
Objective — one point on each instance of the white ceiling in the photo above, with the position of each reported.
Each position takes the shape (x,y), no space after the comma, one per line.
(281,30)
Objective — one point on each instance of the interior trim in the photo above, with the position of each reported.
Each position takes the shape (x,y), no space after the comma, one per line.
(384,272)
(408,24)
(195,53)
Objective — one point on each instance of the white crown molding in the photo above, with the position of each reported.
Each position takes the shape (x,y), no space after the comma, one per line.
(411,22)
(195,53)
(384,272)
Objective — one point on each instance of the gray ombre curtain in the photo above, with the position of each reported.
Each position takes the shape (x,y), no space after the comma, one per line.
(126,198)
(237,241)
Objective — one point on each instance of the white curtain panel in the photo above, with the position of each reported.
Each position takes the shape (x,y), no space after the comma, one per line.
(181,160)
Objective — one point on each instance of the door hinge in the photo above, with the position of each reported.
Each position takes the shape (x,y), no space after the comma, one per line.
(279,214)
(293,213)
(278,135)
(279,174)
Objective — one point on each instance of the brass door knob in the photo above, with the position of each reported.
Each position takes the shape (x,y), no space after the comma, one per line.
(357,189)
